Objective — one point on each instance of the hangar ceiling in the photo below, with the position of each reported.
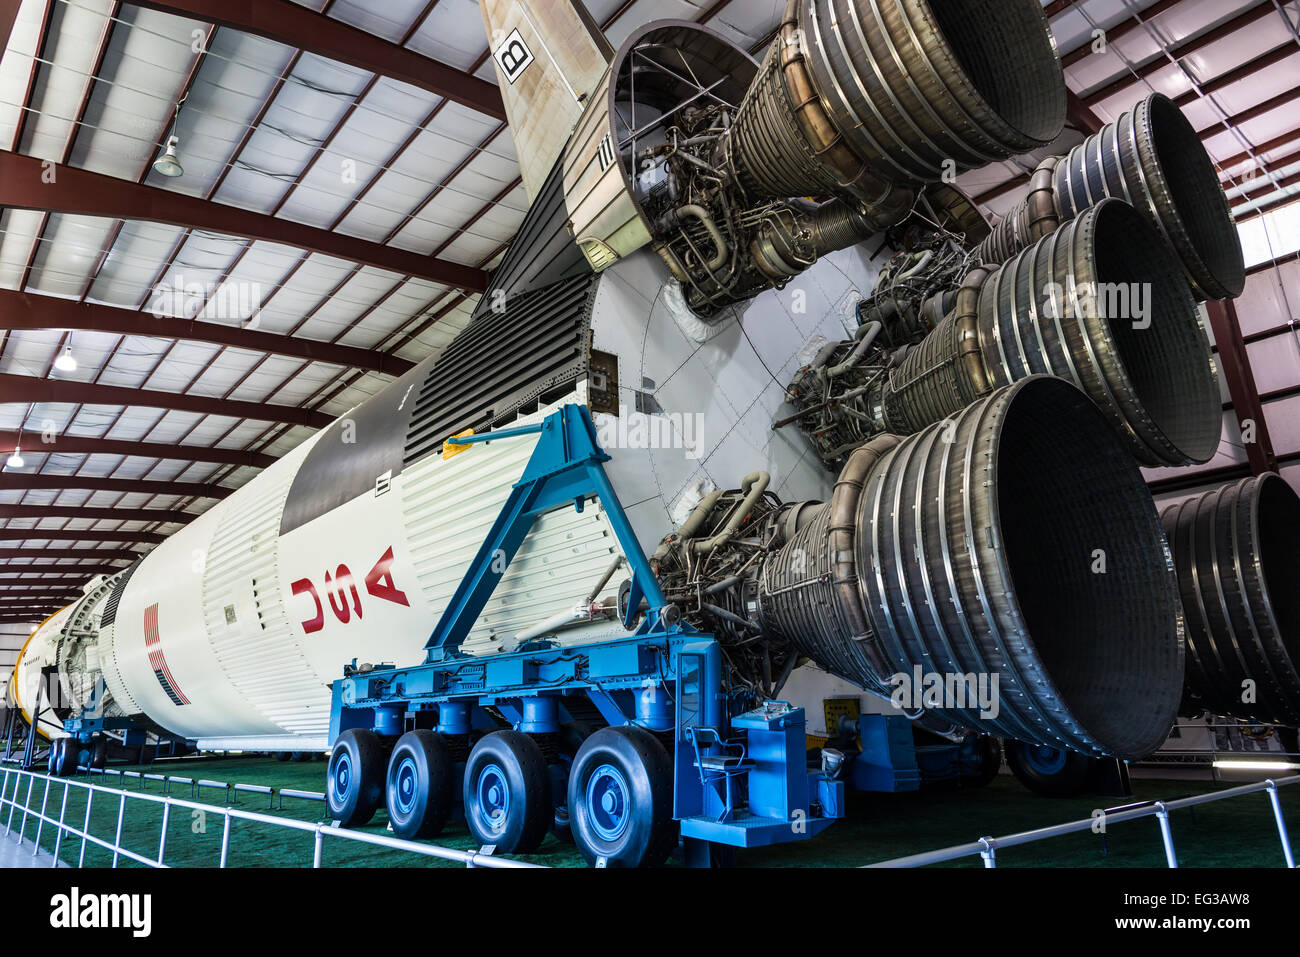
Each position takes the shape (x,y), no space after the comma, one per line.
(349,183)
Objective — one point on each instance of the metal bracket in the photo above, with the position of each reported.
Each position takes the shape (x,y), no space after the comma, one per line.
(565,469)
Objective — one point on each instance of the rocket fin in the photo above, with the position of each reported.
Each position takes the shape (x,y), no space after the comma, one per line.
(550,56)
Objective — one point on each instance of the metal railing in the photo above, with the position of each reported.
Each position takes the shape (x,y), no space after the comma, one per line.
(320,831)
(987,847)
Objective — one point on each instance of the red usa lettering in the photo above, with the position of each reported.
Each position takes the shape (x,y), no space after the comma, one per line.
(344,597)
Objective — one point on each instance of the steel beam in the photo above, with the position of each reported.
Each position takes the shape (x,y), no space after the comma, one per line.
(1079,115)
(53,574)
(28,389)
(107,554)
(1119,31)
(25,310)
(8,16)
(10,534)
(26,182)
(298,27)
(1268,146)
(19,480)
(1183,48)
(1057,6)
(1248,69)
(1246,404)
(89,445)
(106,513)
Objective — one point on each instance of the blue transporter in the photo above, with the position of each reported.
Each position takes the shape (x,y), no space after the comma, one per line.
(674,756)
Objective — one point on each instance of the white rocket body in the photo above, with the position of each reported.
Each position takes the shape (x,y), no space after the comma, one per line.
(230,633)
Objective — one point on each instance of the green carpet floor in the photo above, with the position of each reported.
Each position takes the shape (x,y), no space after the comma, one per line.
(1236,833)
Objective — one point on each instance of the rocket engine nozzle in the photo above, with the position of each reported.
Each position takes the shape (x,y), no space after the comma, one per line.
(1101,302)
(1235,554)
(872,99)
(1020,542)
(1153,158)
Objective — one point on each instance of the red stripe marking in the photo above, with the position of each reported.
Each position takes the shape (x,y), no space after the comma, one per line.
(153,645)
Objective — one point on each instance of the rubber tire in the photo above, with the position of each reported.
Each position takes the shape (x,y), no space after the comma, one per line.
(66,762)
(364,754)
(529,812)
(434,780)
(298,757)
(52,759)
(990,751)
(1070,781)
(99,753)
(280,755)
(651,833)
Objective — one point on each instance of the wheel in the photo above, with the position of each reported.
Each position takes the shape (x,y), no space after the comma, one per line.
(297,757)
(281,755)
(354,781)
(980,759)
(621,799)
(65,762)
(99,753)
(1051,772)
(419,790)
(508,792)
(52,759)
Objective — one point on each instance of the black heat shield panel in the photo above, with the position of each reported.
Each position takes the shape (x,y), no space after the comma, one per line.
(528,336)
(337,470)
(109,614)
(535,345)
(543,251)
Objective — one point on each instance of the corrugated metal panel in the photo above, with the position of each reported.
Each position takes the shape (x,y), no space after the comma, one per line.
(242,593)
(503,360)
(449,507)
(542,252)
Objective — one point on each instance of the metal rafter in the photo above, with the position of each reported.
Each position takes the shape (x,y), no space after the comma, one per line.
(40,480)
(94,194)
(102,554)
(1183,48)
(25,310)
(62,443)
(1246,403)
(78,535)
(296,26)
(19,388)
(114,513)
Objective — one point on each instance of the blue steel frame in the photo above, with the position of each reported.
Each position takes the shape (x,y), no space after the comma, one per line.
(644,679)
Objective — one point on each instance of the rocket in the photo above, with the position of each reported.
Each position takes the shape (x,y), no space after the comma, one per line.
(696,236)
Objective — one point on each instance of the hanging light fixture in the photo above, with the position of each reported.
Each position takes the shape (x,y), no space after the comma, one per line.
(16,460)
(168,164)
(66,362)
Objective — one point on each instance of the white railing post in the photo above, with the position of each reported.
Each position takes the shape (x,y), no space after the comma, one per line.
(990,851)
(3,792)
(63,810)
(85,830)
(1281,823)
(225,839)
(117,838)
(27,807)
(40,819)
(1166,833)
(162,838)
